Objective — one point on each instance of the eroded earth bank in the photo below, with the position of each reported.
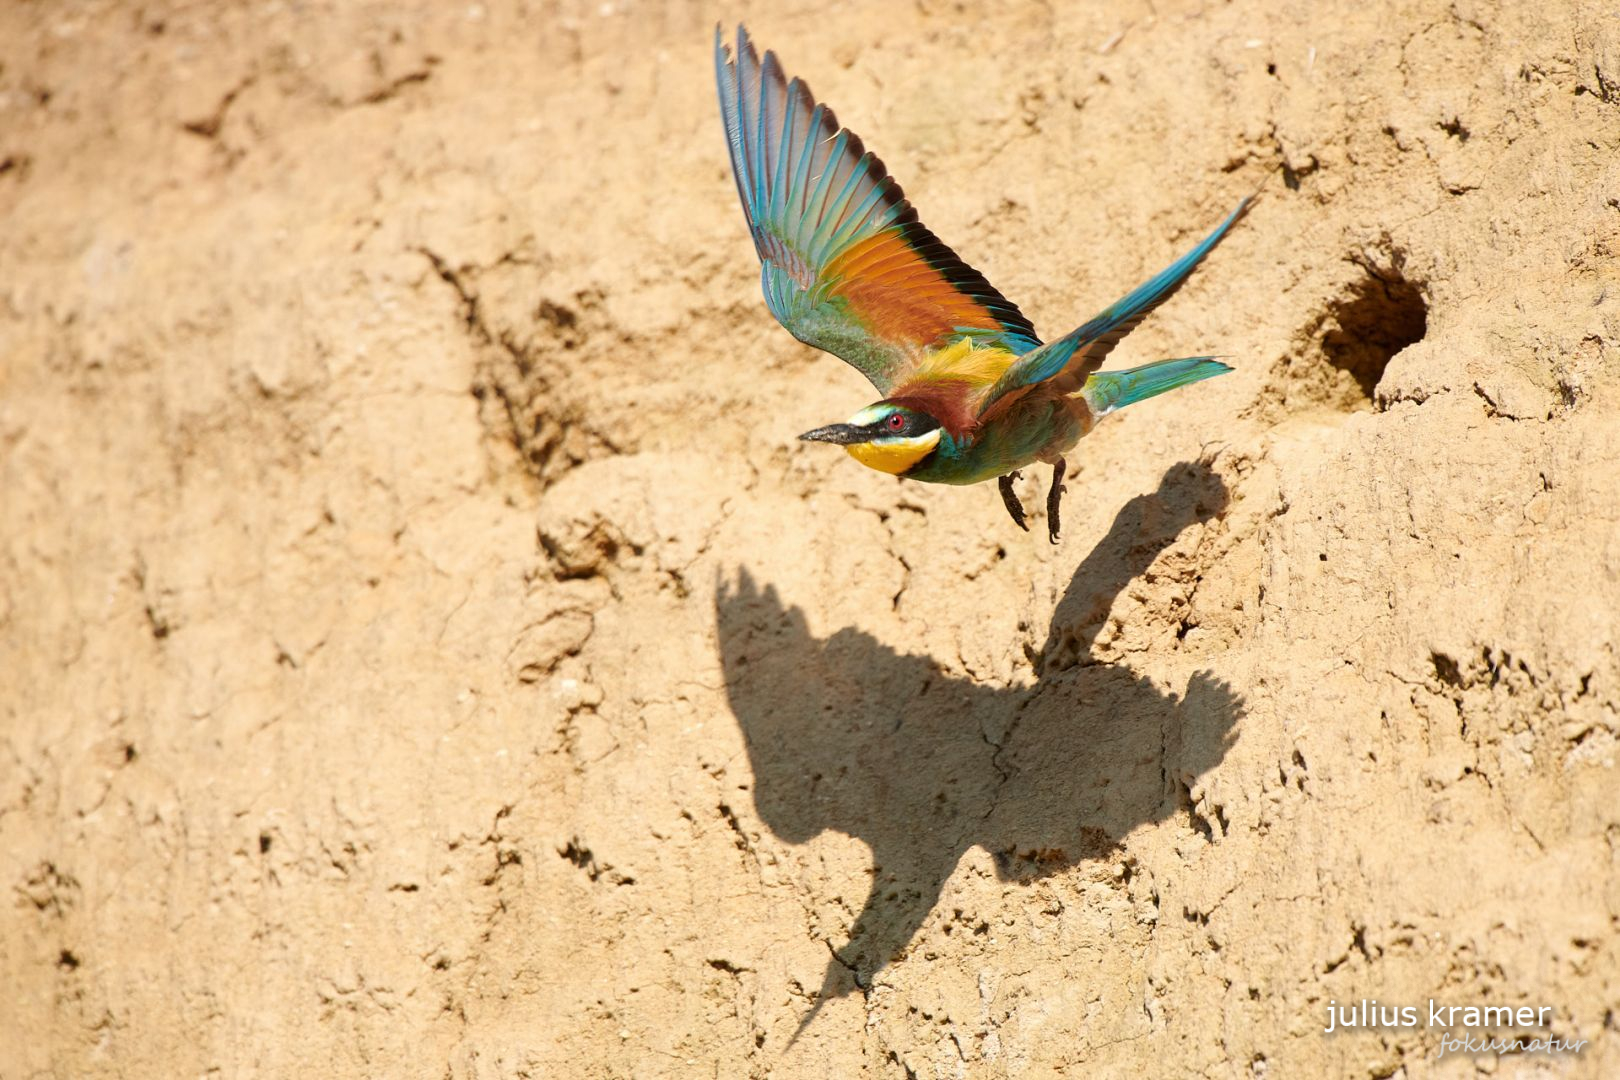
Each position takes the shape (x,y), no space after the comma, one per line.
(428,652)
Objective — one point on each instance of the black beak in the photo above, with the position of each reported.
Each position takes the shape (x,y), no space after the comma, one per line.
(842,434)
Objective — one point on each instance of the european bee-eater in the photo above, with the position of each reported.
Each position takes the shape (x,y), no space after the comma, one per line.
(970,392)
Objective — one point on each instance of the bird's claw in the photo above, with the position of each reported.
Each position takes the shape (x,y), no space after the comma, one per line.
(1053,498)
(1014,507)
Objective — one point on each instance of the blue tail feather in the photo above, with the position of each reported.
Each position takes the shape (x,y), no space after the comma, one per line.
(1107,391)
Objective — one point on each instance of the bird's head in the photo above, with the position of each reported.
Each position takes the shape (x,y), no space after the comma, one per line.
(888,436)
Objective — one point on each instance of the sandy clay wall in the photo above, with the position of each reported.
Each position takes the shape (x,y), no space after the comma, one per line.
(426,650)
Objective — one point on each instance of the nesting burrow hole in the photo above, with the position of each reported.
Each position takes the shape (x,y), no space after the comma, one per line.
(1377,315)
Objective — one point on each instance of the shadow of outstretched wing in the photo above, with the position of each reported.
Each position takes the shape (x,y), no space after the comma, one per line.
(844,733)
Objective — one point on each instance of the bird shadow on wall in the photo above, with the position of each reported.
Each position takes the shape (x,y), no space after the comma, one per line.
(844,733)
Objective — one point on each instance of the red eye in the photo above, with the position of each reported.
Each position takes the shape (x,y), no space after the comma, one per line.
(897,422)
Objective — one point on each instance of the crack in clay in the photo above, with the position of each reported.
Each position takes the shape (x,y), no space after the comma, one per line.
(540,436)
(395,87)
(208,126)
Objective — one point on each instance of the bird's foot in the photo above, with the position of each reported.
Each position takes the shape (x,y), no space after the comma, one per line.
(1014,507)
(1053,498)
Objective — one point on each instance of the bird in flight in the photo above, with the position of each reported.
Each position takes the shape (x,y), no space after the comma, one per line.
(969,392)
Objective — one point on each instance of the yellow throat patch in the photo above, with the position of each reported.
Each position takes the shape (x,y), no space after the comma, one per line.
(894,455)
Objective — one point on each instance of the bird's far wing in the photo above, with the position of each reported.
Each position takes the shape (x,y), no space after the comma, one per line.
(1076,355)
(847,268)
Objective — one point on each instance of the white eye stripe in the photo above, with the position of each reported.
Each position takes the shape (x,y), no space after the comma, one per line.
(872,414)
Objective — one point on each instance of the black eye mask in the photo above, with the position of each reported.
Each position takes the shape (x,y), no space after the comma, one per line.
(915,424)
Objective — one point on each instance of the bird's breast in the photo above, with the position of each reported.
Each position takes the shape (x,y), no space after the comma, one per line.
(1035,429)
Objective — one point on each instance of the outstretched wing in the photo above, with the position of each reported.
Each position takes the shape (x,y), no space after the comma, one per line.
(847,268)
(1076,355)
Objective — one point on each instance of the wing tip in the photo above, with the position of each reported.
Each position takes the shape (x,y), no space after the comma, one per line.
(771,68)
(851,188)
(722,52)
(745,46)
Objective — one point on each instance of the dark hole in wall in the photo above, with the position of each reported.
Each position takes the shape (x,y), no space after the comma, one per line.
(1378,316)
